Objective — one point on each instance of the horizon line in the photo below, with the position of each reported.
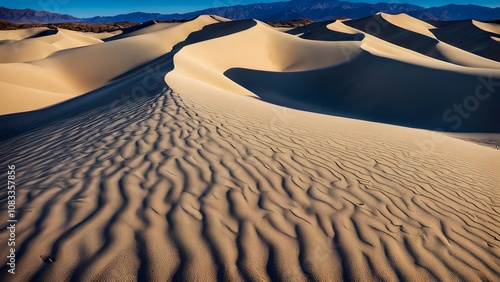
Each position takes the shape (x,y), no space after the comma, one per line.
(194,11)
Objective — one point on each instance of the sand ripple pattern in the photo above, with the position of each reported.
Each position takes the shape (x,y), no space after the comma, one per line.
(168,189)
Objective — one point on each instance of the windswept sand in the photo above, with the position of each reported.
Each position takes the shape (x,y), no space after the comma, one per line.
(175,166)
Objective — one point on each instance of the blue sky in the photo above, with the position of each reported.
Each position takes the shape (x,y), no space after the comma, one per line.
(88,8)
(434,3)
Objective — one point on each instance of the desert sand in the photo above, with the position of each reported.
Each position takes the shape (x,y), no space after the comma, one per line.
(230,150)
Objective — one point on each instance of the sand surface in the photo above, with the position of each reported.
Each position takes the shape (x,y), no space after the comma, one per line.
(202,152)
(75,71)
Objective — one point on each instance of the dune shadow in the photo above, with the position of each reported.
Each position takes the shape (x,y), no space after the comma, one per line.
(320,31)
(377,26)
(465,35)
(128,30)
(44,33)
(216,30)
(377,89)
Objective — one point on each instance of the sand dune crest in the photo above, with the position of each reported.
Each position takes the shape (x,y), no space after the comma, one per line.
(202,152)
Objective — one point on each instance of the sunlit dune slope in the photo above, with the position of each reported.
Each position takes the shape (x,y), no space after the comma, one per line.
(196,152)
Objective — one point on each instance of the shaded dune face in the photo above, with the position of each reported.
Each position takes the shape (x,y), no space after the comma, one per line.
(174,166)
(468,36)
(320,31)
(381,28)
(390,91)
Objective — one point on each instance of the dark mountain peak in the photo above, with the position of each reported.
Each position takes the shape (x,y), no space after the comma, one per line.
(458,12)
(33,16)
(276,11)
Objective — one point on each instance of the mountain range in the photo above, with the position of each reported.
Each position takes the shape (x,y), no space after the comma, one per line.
(278,11)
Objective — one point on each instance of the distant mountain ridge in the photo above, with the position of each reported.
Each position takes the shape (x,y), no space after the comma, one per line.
(32,16)
(277,11)
(458,12)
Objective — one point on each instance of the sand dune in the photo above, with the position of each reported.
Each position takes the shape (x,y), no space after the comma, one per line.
(258,47)
(32,98)
(488,27)
(175,166)
(413,34)
(320,31)
(41,46)
(21,34)
(472,37)
(103,35)
(98,64)
(409,23)
(400,104)
(305,83)
(144,28)
(397,34)
(441,51)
